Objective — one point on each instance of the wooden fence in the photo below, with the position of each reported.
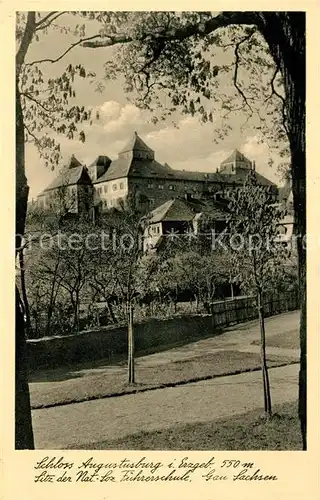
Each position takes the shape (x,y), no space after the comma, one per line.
(238,310)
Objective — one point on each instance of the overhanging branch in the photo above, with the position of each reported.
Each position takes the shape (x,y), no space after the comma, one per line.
(72,46)
(46,21)
(205,28)
(237,61)
(38,103)
(276,93)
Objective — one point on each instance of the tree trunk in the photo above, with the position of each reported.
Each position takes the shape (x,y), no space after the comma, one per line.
(197,302)
(24,291)
(264,368)
(131,373)
(110,311)
(285,35)
(75,305)
(49,317)
(231,289)
(23,424)
(52,300)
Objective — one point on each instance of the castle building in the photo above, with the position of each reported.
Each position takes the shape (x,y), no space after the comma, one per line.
(187,217)
(105,182)
(71,191)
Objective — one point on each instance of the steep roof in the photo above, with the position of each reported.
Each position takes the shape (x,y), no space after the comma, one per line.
(210,208)
(235,156)
(150,168)
(137,144)
(242,173)
(100,160)
(182,210)
(118,168)
(172,210)
(123,167)
(73,162)
(69,177)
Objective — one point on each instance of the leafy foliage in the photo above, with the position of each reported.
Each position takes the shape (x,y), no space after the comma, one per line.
(255,236)
(213,75)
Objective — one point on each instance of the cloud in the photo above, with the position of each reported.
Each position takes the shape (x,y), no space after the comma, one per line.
(253,146)
(188,140)
(266,159)
(129,118)
(109,110)
(208,163)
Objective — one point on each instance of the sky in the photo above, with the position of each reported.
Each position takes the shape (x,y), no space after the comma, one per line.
(189,146)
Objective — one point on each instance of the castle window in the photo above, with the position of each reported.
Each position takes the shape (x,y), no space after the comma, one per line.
(172,188)
(150,185)
(121,185)
(105,189)
(160,186)
(151,202)
(114,187)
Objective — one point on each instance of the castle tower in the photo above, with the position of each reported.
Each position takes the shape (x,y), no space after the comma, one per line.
(234,162)
(137,149)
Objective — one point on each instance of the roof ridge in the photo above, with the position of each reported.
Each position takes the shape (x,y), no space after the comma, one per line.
(136,143)
(236,155)
(73,162)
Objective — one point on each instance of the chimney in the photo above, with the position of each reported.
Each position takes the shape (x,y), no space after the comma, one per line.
(254,165)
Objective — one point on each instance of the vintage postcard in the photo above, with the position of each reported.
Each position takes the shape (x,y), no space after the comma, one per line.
(161,250)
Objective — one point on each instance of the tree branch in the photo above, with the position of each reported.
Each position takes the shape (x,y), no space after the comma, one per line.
(235,75)
(45,18)
(40,24)
(47,110)
(111,40)
(36,140)
(274,92)
(79,42)
(220,21)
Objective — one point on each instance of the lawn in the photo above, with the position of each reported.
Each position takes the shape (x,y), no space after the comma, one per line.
(250,431)
(110,381)
(288,340)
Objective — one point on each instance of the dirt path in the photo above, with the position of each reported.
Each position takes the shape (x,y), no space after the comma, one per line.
(105,419)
